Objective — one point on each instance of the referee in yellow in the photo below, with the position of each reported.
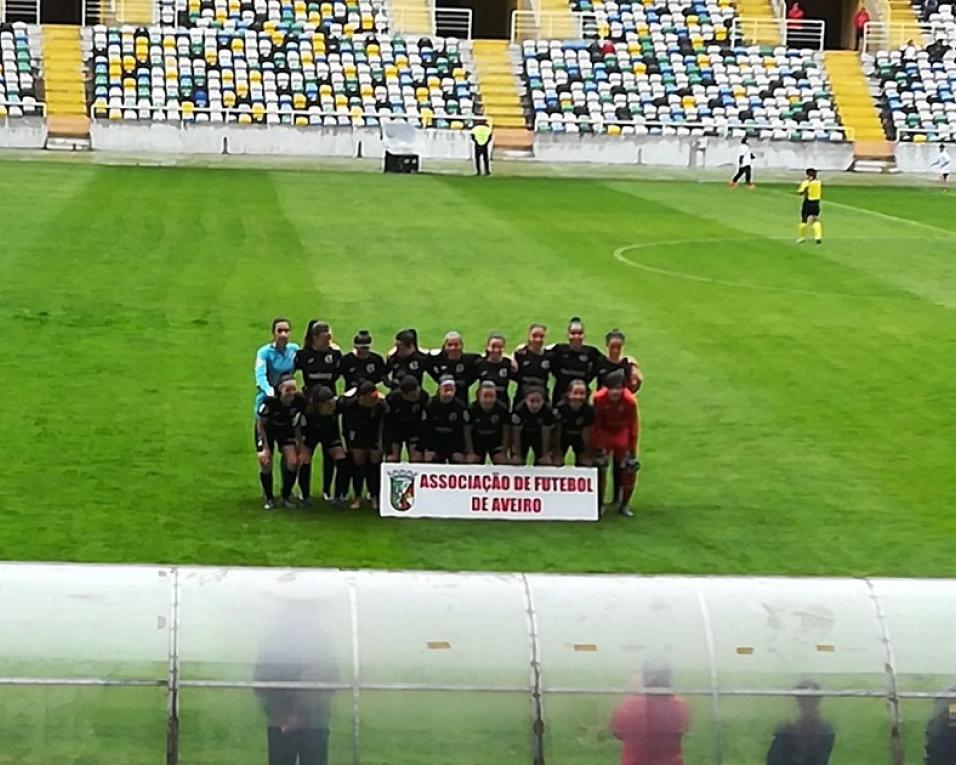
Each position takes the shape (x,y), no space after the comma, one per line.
(481,137)
(812,192)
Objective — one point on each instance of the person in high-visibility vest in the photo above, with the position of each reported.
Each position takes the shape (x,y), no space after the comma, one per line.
(481,135)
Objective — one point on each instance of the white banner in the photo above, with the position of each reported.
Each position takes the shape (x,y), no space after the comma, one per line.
(420,490)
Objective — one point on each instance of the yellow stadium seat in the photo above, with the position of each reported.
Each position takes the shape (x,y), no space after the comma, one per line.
(919,138)
(301,121)
(236,45)
(258,110)
(228,98)
(255,76)
(341,101)
(242,89)
(613,129)
(298,100)
(189,108)
(325,91)
(245,119)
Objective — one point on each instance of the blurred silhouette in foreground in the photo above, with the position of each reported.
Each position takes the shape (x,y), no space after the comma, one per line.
(297,650)
(651,726)
(941,732)
(807,740)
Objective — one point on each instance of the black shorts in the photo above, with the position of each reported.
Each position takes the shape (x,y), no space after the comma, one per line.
(405,436)
(328,439)
(445,444)
(487,446)
(363,439)
(810,209)
(532,445)
(280,437)
(574,442)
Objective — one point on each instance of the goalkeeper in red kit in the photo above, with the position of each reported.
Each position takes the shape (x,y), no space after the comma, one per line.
(615,436)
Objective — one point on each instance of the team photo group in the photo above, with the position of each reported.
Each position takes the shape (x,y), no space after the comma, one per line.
(567,402)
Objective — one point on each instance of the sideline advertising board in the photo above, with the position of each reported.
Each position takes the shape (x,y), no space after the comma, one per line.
(497,492)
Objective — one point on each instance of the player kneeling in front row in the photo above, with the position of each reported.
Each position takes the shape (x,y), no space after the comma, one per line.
(447,431)
(489,421)
(363,418)
(405,420)
(575,417)
(277,424)
(531,425)
(320,430)
(615,439)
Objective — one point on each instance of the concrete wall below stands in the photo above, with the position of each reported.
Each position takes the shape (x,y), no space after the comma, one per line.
(193,138)
(23,133)
(687,151)
(916,157)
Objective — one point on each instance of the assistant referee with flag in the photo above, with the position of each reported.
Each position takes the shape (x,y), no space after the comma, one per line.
(481,135)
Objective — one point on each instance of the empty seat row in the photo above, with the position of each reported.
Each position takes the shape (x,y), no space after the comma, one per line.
(18,73)
(338,17)
(278,77)
(597,86)
(917,91)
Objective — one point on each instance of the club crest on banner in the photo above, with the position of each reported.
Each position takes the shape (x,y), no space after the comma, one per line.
(402,489)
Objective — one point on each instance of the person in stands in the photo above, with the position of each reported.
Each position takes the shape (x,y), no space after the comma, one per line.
(651,726)
(795,16)
(807,740)
(860,19)
(929,8)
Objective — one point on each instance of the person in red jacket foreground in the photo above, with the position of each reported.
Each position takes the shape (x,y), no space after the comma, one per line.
(651,726)
(614,437)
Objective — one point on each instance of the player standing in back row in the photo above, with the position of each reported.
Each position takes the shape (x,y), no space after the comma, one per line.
(812,192)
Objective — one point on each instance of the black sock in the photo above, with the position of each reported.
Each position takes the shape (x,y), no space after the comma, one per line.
(341,477)
(373,478)
(288,481)
(358,478)
(266,480)
(617,483)
(305,480)
(328,468)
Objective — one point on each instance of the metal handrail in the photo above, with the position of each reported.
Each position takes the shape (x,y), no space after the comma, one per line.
(847,132)
(432,18)
(792,33)
(40,104)
(545,25)
(882,35)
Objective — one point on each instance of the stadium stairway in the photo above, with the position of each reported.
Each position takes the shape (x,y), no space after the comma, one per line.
(135,12)
(858,110)
(904,24)
(68,124)
(410,17)
(764,31)
(500,95)
(556,20)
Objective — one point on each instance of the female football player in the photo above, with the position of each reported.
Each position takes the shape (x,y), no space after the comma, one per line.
(615,359)
(277,425)
(531,424)
(495,367)
(490,426)
(363,420)
(575,416)
(274,360)
(452,360)
(362,363)
(448,436)
(319,359)
(573,360)
(320,429)
(405,359)
(405,420)
(532,363)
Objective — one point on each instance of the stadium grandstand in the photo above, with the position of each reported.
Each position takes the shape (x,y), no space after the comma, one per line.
(686,77)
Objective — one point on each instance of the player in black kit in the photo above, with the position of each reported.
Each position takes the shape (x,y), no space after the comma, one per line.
(532,363)
(447,435)
(277,425)
(362,363)
(575,416)
(405,359)
(320,430)
(319,359)
(490,426)
(452,360)
(363,420)
(573,360)
(531,425)
(405,420)
(615,360)
(495,367)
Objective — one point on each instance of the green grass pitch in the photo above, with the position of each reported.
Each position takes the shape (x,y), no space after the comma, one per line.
(797,411)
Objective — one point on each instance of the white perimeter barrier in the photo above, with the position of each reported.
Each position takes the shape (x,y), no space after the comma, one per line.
(288,140)
(917,157)
(23,133)
(488,492)
(689,151)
